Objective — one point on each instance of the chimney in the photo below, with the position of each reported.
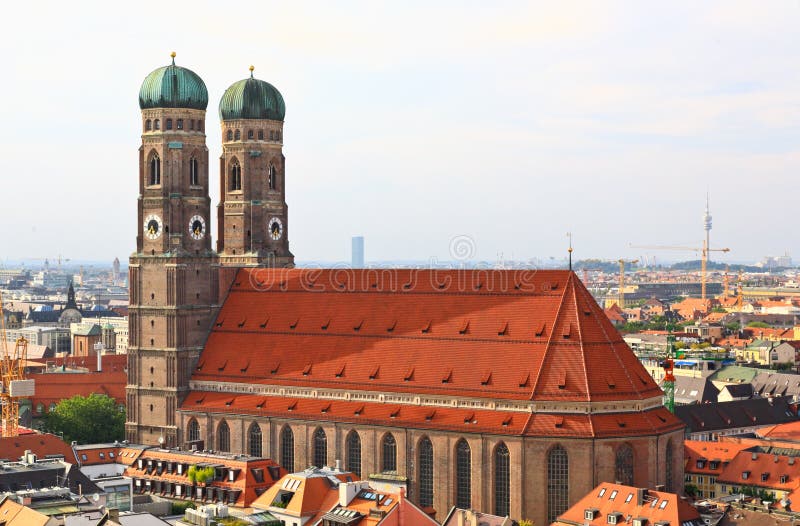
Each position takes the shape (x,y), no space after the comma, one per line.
(338,465)
(641,493)
(113,514)
(99,361)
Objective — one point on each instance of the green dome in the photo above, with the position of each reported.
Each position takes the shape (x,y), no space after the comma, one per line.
(252,99)
(173,87)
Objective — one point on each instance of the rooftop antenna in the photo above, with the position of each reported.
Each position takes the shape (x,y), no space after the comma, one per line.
(569,250)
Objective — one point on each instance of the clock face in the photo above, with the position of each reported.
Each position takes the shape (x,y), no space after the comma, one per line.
(197,227)
(275,228)
(152,226)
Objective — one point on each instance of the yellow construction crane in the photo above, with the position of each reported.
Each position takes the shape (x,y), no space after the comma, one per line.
(13,385)
(704,250)
(621,295)
(739,292)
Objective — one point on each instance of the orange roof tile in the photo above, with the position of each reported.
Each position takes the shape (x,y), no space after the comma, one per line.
(720,453)
(54,387)
(247,482)
(41,444)
(330,328)
(13,514)
(443,418)
(763,470)
(627,501)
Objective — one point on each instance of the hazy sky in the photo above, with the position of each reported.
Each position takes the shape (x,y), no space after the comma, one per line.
(507,122)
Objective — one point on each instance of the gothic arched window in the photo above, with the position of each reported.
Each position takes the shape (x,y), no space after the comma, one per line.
(230,135)
(320,442)
(389,450)
(623,465)
(260,135)
(169,124)
(155,170)
(236,176)
(250,134)
(425,463)
(223,437)
(557,483)
(193,431)
(179,124)
(194,177)
(463,475)
(254,439)
(502,480)
(271,135)
(148,125)
(237,135)
(191,124)
(157,124)
(199,125)
(287,449)
(272,177)
(668,459)
(353,445)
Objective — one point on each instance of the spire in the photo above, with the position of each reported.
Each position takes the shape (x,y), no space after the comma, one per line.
(251,70)
(71,297)
(569,250)
(173,57)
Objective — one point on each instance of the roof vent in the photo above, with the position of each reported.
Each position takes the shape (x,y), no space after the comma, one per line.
(374,373)
(503,330)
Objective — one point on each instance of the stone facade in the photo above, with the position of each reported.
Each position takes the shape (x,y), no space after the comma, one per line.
(253,218)
(173,274)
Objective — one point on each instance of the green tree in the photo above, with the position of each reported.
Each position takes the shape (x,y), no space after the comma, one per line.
(87,419)
(690,489)
(758,324)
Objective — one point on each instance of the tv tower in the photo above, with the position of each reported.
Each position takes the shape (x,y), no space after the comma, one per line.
(707,224)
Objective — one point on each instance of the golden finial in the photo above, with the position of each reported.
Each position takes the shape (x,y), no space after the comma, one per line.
(173,57)
(251,70)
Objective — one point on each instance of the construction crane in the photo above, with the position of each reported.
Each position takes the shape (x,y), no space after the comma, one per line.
(739,292)
(621,294)
(668,384)
(704,250)
(13,385)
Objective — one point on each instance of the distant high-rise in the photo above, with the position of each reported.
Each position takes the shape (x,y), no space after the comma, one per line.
(357,260)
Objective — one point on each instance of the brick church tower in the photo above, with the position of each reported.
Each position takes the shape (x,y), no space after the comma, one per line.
(173,273)
(252,215)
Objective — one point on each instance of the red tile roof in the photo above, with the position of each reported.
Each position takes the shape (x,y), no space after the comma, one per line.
(54,387)
(443,418)
(41,444)
(782,472)
(720,453)
(246,483)
(630,502)
(499,334)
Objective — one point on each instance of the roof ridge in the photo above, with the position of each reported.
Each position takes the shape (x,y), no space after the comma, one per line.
(579,324)
(547,354)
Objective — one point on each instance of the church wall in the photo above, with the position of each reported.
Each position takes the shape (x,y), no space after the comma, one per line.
(528,458)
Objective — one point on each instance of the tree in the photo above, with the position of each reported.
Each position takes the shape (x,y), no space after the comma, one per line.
(87,419)
(758,324)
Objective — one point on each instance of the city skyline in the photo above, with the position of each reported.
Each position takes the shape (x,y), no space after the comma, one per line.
(592,119)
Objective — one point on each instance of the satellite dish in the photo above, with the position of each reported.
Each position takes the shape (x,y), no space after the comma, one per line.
(96,497)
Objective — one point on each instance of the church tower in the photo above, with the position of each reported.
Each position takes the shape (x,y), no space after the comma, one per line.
(253,215)
(173,273)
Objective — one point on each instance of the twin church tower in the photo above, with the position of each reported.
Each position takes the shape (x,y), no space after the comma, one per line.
(177,279)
